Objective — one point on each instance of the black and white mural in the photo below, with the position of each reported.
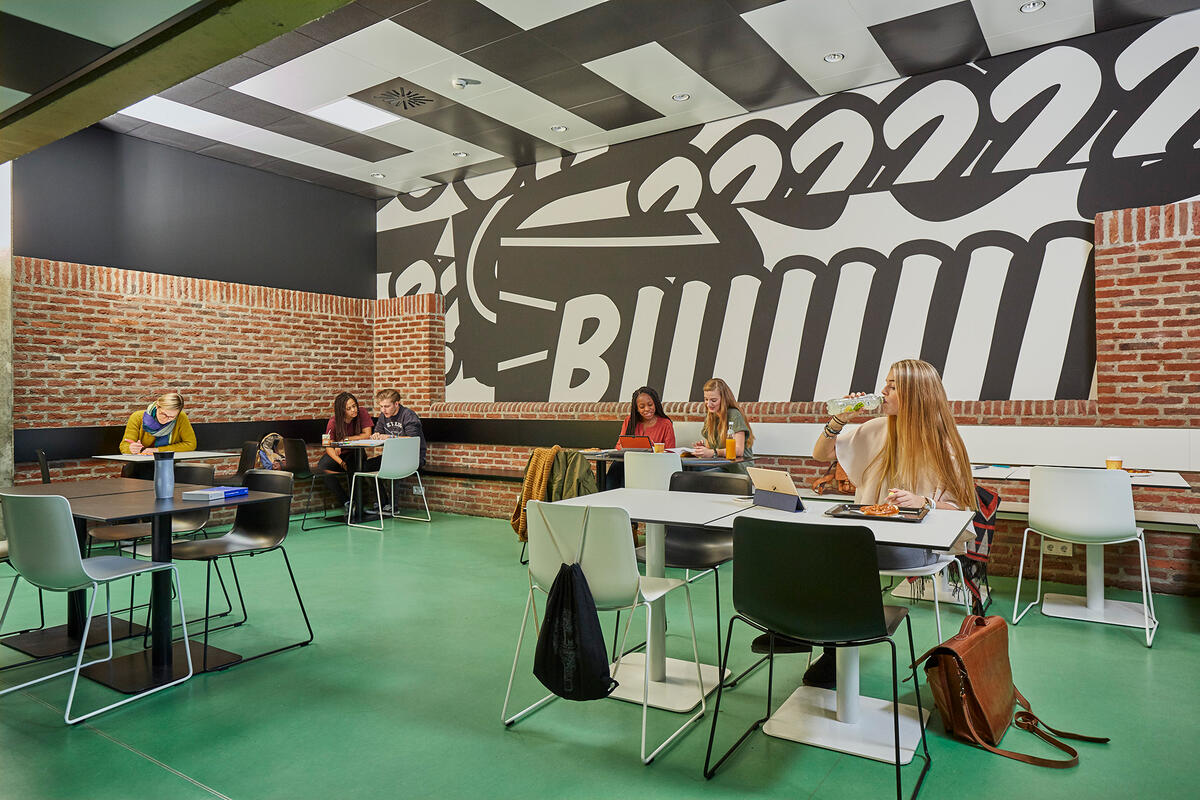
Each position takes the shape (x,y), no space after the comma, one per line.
(798,252)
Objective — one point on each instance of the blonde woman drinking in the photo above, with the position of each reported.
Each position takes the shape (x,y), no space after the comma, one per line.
(912,456)
(161,427)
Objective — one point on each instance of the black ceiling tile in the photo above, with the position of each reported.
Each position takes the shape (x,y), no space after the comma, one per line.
(243,108)
(616,112)
(459,121)
(191,91)
(1111,14)
(237,155)
(336,24)
(283,49)
(717,45)
(308,129)
(761,83)
(941,37)
(513,144)
(572,87)
(120,123)
(448,176)
(457,25)
(658,19)
(234,71)
(388,8)
(592,33)
(281,166)
(519,58)
(743,6)
(34,57)
(366,148)
(175,138)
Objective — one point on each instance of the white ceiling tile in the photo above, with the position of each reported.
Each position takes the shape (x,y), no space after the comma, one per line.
(391,47)
(1045,34)
(653,74)
(438,76)
(539,126)
(1002,18)
(161,111)
(409,134)
(873,12)
(802,38)
(531,13)
(313,79)
(349,112)
(516,106)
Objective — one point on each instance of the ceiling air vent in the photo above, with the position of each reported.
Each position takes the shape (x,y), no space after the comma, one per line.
(402,97)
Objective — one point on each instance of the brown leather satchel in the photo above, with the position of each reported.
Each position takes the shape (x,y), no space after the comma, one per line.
(972,686)
(835,479)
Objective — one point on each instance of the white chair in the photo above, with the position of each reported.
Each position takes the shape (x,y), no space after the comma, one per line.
(650,470)
(44,550)
(1091,507)
(599,539)
(401,458)
(934,571)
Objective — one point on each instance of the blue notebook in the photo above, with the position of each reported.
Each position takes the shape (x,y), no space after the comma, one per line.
(215,493)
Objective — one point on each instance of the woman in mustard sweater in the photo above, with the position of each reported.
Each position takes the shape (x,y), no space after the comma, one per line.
(162,426)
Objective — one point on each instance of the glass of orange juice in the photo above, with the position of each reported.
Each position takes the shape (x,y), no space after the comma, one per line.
(1113,462)
(659,447)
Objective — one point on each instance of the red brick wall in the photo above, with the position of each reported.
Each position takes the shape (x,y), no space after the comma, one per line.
(91,344)
(410,348)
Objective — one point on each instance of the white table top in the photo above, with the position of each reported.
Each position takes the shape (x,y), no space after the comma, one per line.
(186,455)
(361,443)
(1168,479)
(938,530)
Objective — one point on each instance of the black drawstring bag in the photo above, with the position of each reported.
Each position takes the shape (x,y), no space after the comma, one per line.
(572,659)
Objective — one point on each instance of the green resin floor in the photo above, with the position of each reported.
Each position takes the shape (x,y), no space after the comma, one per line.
(400,696)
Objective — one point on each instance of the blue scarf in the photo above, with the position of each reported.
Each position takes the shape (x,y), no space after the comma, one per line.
(160,430)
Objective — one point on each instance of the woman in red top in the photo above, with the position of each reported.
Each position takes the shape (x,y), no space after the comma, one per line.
(647,418)
(349,421)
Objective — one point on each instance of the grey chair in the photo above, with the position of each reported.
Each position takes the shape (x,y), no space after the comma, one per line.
(257,529)
(44,551)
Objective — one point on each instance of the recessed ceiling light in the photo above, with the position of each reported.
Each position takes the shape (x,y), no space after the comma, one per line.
(1032,6)
(460,154)
(833,58)
(353,114)
(681,97)
(559,128)
(378,175)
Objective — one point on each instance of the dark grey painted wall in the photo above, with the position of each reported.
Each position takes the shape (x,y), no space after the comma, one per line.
(101,198)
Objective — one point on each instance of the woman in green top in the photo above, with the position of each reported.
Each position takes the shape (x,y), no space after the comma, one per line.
(723,417)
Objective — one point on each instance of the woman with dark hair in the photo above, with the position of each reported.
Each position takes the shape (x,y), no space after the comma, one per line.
(647,418)
(349,422)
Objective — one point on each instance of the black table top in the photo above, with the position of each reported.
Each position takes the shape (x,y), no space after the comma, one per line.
(88,488)
(135,505)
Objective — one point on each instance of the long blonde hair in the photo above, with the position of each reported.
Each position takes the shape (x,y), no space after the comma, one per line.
(715,425)
(922,438)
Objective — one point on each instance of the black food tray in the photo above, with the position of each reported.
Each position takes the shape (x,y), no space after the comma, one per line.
(851,511)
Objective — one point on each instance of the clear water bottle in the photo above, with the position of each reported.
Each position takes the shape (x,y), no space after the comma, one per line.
(867,402)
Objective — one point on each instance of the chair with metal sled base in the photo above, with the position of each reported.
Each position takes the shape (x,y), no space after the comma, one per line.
(44,550)
(600,537)
(401,458)
(257,529)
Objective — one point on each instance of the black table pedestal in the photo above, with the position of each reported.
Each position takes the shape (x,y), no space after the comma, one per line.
(136,672)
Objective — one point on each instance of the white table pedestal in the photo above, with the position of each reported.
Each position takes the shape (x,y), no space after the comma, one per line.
(672,680)
(844,721)
(1093,607)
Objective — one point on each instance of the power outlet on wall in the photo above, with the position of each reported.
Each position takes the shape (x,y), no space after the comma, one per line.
(421,490)
(1057,548)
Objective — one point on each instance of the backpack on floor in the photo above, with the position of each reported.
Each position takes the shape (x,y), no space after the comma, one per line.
(571,658)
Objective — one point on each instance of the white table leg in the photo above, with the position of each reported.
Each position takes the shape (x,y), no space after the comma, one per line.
(1093,607)
(672,680)
(844,721)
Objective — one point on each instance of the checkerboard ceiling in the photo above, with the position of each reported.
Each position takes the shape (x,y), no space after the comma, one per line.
(389,96)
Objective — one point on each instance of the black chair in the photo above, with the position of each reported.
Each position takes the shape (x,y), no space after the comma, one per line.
(698,549)
(258,528)
(44,464)
(141,470)
(295,458)
(247,460)
(817,585)
(183,522)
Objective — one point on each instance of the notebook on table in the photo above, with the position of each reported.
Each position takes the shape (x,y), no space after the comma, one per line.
(634,443)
